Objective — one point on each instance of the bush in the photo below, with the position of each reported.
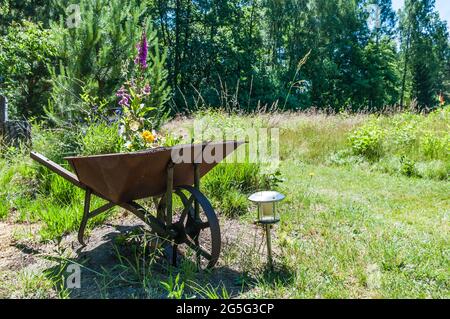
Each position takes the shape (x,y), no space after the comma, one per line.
(101,138)
(367,141)
(407,167)
(404,143)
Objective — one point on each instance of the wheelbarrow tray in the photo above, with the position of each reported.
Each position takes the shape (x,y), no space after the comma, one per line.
(125,177)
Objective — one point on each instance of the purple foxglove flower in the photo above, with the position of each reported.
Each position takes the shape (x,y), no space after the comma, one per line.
(125,100)
(147,89)
(121,92)
(142,46)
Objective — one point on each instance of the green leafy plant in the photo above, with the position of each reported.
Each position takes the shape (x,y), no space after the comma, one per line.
(174,287)
(208,291)
(26,49)
(407,167)
(101,138)
(367,141)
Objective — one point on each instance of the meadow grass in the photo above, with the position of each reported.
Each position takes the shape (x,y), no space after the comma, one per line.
(31,193)
(342,227)
(353,229)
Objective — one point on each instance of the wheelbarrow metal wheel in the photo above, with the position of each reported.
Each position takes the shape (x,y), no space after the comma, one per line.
(194,228)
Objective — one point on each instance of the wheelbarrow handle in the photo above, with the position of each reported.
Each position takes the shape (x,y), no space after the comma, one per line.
(58,169)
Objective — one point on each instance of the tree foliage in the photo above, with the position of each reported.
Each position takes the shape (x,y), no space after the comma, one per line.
(426,52)
(26,50)
(245,54)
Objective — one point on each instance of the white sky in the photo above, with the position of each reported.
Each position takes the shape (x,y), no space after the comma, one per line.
(442,6)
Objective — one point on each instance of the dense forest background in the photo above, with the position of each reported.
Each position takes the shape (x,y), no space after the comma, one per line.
(234,54)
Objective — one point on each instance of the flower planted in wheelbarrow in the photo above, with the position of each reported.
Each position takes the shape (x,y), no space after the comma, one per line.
(136,127)
(149,137)
(138,124)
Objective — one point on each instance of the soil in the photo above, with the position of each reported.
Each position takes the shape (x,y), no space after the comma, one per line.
(102,273)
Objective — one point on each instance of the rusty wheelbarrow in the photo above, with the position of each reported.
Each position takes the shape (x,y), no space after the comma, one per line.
(162,173)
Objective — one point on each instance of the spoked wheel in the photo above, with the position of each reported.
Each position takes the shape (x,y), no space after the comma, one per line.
(202,233)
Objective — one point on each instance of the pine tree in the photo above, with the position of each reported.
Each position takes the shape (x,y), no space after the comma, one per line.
(98,54)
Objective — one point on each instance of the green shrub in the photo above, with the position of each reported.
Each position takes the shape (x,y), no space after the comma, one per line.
(101,138)
(407,167)
(401,140)
(434,147)
(26,49)
(367,141)
(403,143)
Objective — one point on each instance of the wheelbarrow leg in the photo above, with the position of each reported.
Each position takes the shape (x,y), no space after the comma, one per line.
(174,254)
(197,204)
(197,186)
(168,207)
(87,214)
(87,204)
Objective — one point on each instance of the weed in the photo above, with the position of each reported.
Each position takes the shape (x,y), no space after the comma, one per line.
(173,287)
(208,291)
(367,141)
(101,138)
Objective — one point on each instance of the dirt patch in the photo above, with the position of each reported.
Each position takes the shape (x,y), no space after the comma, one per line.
(108,269)
(11,256)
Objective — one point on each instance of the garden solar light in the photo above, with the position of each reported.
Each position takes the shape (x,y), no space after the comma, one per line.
(267,214)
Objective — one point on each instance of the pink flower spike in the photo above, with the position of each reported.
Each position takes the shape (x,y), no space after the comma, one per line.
(142,46)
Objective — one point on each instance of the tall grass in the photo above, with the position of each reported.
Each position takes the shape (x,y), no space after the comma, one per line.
(35,194)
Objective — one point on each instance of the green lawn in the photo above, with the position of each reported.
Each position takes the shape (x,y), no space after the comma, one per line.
(351,233)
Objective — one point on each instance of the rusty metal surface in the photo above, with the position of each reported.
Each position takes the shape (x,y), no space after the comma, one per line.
(125,177)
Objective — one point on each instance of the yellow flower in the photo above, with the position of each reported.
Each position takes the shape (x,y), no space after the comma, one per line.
(312,174)
(148,136)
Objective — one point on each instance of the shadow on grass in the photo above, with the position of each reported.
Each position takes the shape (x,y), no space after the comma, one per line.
(113,266)
(279,274)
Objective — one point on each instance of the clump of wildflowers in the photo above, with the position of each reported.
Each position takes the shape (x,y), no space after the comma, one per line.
(136,127)
(124,97)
